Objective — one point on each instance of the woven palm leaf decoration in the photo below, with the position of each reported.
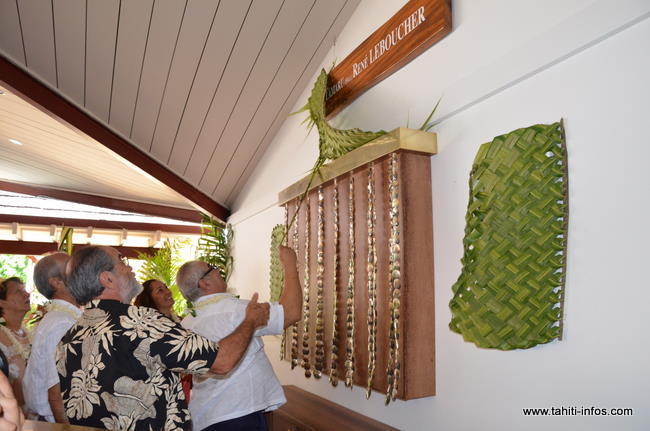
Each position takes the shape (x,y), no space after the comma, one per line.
(510,292)
(276,272)
(332,142)
(65,240)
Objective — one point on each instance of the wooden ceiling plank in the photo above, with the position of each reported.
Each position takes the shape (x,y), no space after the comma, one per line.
(135,17)
(281,37)
(73,153)
(104,202)
(70,30)
(305,81)
(14,167)
(38,37)
(161,44)
(21,83)
(101,36)
(10,123)
(74,170)
(312,44)
(15,171)
(32,248)
(28,164)
(247,48)
(71,169)
(33,132)
(35,119)
(11,39)
(99,224)
(221,40)
(192,40)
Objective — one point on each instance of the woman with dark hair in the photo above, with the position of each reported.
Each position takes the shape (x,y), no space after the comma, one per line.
(15,341)
(156,295)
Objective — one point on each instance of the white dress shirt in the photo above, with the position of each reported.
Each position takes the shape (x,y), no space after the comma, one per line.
(252,385)
(41,374)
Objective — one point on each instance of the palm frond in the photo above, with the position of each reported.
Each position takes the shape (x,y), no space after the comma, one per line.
(214,245)
(428,125)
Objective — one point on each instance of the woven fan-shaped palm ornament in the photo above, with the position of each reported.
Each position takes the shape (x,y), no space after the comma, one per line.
(510,292)
(276,272)
(332,142)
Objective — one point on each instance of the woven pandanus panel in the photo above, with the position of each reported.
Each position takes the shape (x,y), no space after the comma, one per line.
(510,292)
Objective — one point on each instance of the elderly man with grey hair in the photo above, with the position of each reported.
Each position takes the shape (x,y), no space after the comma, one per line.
(238,400)
(119,364)
(41,382)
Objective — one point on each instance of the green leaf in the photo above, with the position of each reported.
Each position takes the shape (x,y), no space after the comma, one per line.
(214,245)
(428,125)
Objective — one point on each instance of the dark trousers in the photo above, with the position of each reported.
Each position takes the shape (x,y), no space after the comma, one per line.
(252,422)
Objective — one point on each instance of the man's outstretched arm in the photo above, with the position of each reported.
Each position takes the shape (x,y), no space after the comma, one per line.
(291,298)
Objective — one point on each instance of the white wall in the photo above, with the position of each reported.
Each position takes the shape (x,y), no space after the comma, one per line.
(507,64)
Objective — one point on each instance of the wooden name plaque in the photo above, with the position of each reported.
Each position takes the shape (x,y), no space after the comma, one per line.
(408,33)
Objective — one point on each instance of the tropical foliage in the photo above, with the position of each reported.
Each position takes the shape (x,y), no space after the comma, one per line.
(163,265)
(14,265)
(214,245)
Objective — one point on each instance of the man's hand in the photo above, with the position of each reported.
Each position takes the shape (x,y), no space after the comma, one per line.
(256,313)
(287,256)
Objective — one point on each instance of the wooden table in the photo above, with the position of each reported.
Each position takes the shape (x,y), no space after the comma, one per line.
(305,411)
(46,426)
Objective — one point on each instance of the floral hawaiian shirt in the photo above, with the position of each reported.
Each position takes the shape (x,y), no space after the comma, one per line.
(119,366)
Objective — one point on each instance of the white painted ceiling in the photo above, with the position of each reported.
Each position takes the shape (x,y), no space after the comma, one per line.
(200,85)
(55,156)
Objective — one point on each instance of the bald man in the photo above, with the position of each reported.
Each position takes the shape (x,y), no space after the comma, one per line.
(41,382)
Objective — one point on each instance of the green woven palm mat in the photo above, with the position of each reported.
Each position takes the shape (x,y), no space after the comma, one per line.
(510,292)
(276,272)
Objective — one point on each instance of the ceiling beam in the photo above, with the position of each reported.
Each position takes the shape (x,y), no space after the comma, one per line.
(104,202)
(98,224)
(33,248)
(42,97)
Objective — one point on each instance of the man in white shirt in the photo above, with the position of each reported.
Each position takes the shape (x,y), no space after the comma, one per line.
(41,382)
(237,400)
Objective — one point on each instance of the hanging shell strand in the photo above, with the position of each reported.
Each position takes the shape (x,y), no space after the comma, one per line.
(294,328)
(372,278)
(349,301)
(319,352)
(305,310)
(334,377)
(394,279)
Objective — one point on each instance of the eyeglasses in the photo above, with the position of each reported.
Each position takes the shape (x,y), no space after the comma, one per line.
(210,269)
(124,259)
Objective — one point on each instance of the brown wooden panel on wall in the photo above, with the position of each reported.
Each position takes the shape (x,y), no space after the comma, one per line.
(416,338)
(411,31)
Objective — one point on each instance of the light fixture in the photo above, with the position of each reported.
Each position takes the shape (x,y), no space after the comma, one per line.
(13,141)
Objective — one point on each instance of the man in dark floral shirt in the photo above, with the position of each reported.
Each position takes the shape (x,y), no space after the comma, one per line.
(119,363)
